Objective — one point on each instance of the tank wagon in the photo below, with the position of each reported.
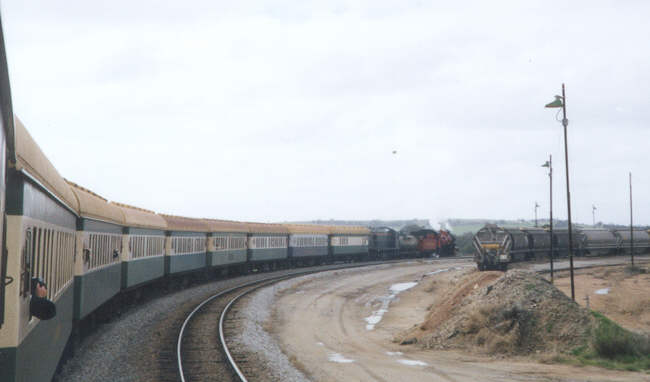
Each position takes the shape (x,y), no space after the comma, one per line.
(539,242)
(561,242)
(641,240)
(597,242)
(496,247)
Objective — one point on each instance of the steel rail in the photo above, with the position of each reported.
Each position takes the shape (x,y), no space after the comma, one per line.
(231,360)
(222,336)
(261,283)
(189,317)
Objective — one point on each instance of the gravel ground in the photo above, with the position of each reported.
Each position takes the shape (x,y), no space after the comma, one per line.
(115,351)
(257,314)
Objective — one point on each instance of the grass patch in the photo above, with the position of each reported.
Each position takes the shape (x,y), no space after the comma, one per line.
(549,326)
(615,348)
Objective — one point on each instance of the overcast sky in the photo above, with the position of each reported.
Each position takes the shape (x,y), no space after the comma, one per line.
(291,110)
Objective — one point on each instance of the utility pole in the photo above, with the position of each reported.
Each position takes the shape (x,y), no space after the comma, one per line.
(631,224)
(560,101)
(536,207)
(593,214)
(549,164)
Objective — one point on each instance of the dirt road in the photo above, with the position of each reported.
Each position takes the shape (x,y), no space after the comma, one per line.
(341,326)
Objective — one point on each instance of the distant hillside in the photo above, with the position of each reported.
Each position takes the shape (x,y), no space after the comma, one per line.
(461,226)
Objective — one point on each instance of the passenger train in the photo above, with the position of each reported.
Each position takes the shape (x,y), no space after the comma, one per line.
(496,247)
(88,251)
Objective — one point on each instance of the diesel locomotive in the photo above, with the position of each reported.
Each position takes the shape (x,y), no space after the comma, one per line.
(410,241)
(423,242)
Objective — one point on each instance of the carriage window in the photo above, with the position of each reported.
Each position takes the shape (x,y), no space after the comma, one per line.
(27,261)
(49,254)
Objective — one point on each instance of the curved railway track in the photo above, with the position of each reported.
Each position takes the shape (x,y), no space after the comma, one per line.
(235,359)
(202,349)
(201,353)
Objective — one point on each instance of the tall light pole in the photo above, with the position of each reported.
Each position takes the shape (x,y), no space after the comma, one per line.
(536,207)
(549,164)
(631,224)
(560,101)
(593,214)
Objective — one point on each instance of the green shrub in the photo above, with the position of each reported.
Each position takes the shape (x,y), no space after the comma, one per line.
(613,347)
(613,342)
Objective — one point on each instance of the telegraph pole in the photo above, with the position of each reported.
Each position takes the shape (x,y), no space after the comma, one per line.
(560,101)
(549,164)
(593,214)
(631,224)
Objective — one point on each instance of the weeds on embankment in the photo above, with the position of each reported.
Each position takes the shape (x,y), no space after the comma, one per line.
(613,347)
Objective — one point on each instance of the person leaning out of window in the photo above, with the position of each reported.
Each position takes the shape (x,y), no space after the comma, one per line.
(39,306)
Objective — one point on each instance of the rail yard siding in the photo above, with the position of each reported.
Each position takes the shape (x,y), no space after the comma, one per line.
(184,263)
(226,257)
(38,354)
(95,288)
(139,271)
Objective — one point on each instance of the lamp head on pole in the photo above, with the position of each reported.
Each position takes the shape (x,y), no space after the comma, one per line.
(547,164)
(557,103)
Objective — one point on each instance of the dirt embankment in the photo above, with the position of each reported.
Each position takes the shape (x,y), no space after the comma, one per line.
(514,313)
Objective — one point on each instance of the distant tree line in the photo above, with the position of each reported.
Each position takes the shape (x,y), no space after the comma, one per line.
(558,223)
